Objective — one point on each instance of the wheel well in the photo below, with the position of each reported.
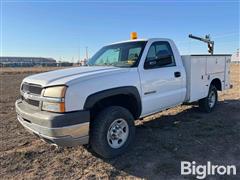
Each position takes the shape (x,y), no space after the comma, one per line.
(217,83)
(127,101)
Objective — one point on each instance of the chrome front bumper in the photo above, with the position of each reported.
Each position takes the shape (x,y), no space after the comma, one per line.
(60,133)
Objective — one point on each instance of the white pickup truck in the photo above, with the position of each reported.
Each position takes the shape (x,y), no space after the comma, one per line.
(124,81)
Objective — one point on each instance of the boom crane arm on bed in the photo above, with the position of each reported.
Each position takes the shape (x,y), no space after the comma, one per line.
(206,40)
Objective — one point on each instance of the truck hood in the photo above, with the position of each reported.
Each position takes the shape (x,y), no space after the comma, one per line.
(68,75)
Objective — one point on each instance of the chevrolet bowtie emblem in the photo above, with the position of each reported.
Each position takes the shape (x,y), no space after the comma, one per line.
(26,95)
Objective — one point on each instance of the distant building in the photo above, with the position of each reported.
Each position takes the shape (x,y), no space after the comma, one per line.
(235,57)
(6,61)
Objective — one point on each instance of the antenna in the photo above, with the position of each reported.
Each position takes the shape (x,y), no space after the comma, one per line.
(206,40)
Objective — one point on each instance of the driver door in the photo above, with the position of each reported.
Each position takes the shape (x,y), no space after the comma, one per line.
(161,84)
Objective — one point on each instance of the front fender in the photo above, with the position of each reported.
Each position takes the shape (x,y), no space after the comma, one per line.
(127,90)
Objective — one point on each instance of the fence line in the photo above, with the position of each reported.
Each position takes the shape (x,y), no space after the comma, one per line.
(38,64)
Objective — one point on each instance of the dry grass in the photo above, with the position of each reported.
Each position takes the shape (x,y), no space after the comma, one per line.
(29,70)
(162,141)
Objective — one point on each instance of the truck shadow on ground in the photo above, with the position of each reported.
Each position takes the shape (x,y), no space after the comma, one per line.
(161,144)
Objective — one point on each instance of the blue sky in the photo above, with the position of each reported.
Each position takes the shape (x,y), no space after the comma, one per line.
(62,29)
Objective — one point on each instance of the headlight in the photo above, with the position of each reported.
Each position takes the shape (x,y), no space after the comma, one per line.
(53,99)
(57,92)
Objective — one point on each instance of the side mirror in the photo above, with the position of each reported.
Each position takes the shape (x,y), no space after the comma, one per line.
(162,58)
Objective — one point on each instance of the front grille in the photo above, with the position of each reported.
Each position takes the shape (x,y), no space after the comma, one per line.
(31,102)
(32,88)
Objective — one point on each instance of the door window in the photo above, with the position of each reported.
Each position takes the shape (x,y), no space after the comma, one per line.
(160,49)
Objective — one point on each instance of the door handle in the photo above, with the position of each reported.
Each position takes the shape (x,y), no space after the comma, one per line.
(177,74)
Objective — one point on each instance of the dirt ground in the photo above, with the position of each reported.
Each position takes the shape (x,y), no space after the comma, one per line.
(162,142)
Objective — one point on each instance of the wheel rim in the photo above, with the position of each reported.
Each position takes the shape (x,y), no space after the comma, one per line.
(117,133)
(211,99)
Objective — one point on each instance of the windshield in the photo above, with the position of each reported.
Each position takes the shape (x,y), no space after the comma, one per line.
(121,55)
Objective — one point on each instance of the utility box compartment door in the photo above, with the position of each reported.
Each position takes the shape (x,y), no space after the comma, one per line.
(227,73)
(199,81)
(215,64)
(196,77)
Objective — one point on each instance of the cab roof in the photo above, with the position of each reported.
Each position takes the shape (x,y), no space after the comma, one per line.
(139,40)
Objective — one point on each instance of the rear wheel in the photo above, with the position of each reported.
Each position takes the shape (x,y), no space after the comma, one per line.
(208,103)
(112,131)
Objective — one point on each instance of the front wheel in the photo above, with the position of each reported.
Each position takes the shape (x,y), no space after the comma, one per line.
(112,131)
(208,103)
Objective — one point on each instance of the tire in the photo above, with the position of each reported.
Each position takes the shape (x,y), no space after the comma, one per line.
(208,103)
(105,134)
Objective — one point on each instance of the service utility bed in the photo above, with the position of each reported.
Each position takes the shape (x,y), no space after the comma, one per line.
(202,69)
